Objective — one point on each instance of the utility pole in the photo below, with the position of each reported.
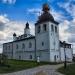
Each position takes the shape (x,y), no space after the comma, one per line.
(65,63)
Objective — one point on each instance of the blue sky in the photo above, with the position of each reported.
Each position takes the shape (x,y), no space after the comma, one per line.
(19,9)
(15,13)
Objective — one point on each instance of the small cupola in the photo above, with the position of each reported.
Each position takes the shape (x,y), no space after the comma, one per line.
(14,34)
(14,37)
(27,29)
(27,26)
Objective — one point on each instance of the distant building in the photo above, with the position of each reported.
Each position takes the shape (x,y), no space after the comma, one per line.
(45,45)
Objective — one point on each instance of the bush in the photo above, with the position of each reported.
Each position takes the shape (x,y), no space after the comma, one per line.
(3,59)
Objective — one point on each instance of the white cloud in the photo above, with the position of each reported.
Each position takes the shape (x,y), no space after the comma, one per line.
(36,11)
(69,7)
(58,16)
(10,27)
(62,30)
(9,1)
(3,18)
(67,32)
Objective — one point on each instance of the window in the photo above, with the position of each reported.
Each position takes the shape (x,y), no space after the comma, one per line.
(9,47)
(19,57)
(44,27)
(69,46)
(6,47)
(57,56)
(30,56)
(42,43)
(17,46)
(30,44)
(55,29)
(23,46)
(52,28)
(38,29)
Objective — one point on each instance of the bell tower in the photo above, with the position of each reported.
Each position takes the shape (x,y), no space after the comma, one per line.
(47,36)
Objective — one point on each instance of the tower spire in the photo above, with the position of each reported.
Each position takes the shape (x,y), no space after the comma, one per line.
(27,25)
(27,29)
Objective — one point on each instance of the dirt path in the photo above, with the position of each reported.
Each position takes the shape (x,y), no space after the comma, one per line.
(41,70)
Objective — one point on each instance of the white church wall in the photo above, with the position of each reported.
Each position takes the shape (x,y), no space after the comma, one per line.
(42,42)
(22,53)
(43,55)
(54,43)
(68,53)
(57,38)
(53,37)
(41,37)
(54,56)
(28,56)
(7,50)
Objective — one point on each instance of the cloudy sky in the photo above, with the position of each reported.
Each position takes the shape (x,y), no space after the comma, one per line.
(15,13)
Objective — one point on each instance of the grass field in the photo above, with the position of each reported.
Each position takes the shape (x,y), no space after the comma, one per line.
(16,65)
(70,70)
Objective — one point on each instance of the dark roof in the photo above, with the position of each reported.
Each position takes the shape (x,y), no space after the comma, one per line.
(24,36)
(66,44)
(27,38)
(46,17)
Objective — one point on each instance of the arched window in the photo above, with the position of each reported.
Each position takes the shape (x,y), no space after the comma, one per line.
(30,56)
(52,28)
(19,57)
(17,46)
(55,29)
(23,46)
(44,27)
(42,43)
(38,30)
(55,58)
(9,47)
(30,44)
(6,47)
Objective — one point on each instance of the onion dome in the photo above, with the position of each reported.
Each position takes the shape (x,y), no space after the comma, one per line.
(27,26)
(14,34)
(46,15)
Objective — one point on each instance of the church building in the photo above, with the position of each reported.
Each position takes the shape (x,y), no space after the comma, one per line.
(45,45)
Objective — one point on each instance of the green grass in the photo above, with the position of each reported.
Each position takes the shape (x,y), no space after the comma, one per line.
(70,70)
(17,65)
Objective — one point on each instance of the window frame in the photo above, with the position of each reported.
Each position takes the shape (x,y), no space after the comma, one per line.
(17,46)
(30,56)
(23,45)
(42,43)
(56,29)
(30,45)
(38,29)
(52,27)
(44,27)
